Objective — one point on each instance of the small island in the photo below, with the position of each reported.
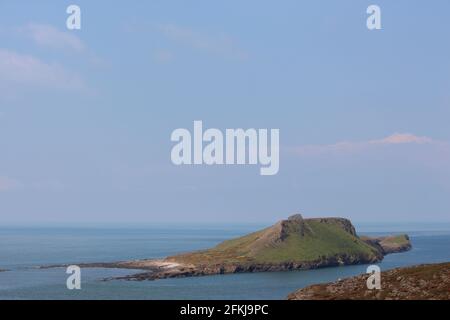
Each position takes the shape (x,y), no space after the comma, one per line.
(292,244)
(423,282)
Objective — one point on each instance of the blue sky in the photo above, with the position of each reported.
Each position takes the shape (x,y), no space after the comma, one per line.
(86,116)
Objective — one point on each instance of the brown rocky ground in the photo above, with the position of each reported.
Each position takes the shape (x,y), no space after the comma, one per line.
(422,282)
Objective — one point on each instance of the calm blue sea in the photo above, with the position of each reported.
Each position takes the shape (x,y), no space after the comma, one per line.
(23,249)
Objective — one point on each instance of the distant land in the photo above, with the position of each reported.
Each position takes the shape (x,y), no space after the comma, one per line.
(423,282)
(292,244)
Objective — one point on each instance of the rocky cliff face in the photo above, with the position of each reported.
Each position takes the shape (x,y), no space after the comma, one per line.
(343,223)
(278,233)
(424,282)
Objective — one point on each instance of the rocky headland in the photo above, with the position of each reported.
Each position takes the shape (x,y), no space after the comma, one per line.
(292,244)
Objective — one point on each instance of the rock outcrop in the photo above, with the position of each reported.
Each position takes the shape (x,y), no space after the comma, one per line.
(390,244)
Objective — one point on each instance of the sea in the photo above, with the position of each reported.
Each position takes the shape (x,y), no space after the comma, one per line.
(24,249)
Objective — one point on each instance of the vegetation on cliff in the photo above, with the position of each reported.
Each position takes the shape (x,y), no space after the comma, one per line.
(296,243)
(292,240)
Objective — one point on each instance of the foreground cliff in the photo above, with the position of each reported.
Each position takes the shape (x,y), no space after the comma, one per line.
(423,282)
(291,244)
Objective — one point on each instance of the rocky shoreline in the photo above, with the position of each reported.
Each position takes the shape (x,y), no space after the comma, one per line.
(156,269)
(159,269)
(162,269)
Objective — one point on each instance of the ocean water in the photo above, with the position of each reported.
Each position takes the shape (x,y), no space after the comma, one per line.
(22,250)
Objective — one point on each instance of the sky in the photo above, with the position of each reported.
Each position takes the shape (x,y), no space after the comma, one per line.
(86,115)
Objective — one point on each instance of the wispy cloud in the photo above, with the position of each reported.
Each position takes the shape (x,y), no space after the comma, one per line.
(8,184)
(163,56)
(402,138)
(351,146)
(46,185)
(25,70)
(218,44)
(51,37)
(11,184)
